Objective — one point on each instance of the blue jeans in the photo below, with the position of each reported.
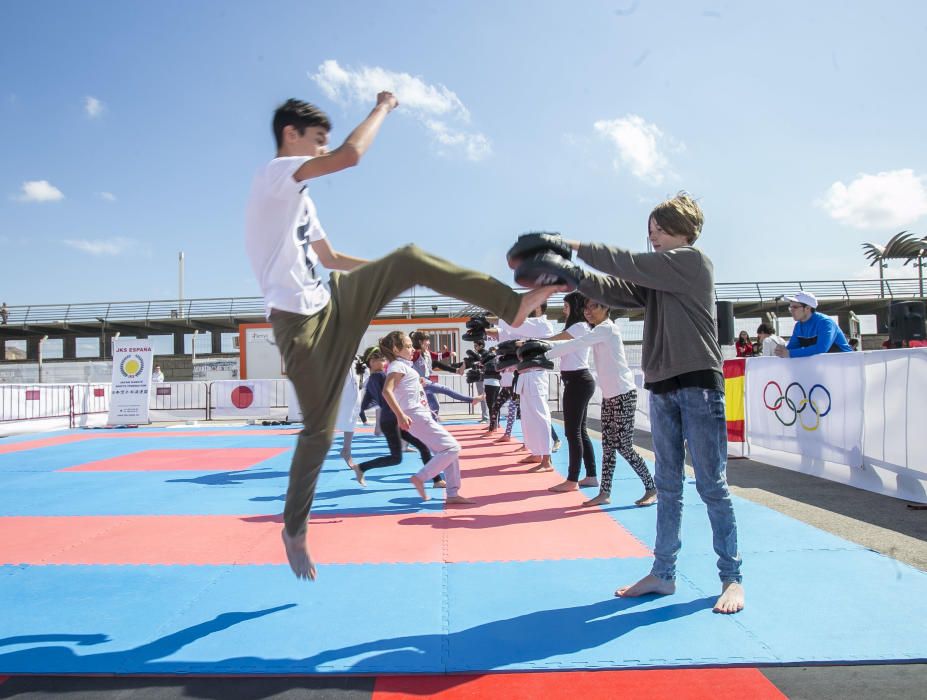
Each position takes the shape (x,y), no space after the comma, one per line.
(695,417)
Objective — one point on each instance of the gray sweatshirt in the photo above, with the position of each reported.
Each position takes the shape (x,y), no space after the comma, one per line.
(676,289)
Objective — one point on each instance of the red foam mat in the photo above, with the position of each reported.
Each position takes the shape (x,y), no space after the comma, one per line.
(681,684)
(210,539)
(224,459)
(65,439)
(516,518)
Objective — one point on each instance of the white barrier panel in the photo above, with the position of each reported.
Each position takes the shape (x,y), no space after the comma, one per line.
(810,406)
(885,400)
(244,399)
(32,401)
(894,444)
(294,413)
(642,413)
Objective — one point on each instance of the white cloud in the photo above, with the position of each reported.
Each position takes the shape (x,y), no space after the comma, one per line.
(107,196)
(433,106)
(641,147)
(108,246)
(39,191)
(93,107)
(885,200)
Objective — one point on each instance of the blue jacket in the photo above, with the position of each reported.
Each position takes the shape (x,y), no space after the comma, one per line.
(819,334)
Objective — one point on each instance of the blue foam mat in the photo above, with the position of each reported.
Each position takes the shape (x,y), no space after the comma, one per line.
(206,619)
(811,597)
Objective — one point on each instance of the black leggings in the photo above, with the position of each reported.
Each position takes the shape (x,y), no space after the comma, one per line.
(505,393)
(394,437)
(578,388)
(492,393)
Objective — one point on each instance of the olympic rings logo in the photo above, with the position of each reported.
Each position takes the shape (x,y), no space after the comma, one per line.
(795,399)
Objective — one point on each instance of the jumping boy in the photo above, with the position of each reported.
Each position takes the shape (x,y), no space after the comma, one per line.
(682,369)
(318,327)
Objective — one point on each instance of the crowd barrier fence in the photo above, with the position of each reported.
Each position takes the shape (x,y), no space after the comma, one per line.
(79,405)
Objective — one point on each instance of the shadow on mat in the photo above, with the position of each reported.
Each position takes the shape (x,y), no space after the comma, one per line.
(532,637)
(230,478)
(63,660)
(525,638)
(482,521)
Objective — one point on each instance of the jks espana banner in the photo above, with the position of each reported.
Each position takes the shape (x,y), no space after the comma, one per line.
(128,403)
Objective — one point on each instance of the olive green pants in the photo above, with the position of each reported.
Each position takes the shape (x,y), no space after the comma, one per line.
(317,350)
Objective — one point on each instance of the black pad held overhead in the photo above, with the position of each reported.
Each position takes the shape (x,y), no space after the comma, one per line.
(533,348)
(474,335)
(539,362)
(530,244)
(548,268)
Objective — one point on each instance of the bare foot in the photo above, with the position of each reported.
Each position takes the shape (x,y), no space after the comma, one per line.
(731,600)
(420,487)
(530,459)
(530,300)
(589,481)
(459,500)
(648,499)
(647,585)
(601,500)
(504,438)
(439,484)
(358,474)
(544,466)
(346,456)
(297,553)
(564,487)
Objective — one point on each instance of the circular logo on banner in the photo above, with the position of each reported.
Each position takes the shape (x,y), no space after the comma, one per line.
(131,366)
(793,402)
(242,396)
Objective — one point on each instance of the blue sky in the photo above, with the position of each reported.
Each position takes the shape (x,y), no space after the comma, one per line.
(130,131)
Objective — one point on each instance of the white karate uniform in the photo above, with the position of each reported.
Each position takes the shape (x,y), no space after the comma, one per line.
(350,403)
(532,388)
(535,412)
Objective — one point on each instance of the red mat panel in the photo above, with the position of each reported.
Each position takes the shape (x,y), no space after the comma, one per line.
(207,539)
(682,684)
(223,459)
(516,518)
(65,439)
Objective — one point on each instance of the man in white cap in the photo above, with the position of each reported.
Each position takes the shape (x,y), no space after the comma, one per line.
(814,333)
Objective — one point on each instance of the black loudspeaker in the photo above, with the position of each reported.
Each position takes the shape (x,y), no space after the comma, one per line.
(906,321)
(725,315)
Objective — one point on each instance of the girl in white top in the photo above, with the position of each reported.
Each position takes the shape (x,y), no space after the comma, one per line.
(404,393)
(619,400)
(578,389)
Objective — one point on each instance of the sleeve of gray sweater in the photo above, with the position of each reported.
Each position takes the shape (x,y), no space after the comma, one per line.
(676,288)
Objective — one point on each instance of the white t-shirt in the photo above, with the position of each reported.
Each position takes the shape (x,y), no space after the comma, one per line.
(769,344)
(280,224)
(613,375)
(408,388)
(534,327)
(578,359)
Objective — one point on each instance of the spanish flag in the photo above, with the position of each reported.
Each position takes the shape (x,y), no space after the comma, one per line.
(734,371)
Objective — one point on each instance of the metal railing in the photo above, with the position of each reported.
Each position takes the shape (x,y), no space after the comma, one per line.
(418,305)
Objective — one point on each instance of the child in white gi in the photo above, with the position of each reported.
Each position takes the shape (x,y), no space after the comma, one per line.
(404,393)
